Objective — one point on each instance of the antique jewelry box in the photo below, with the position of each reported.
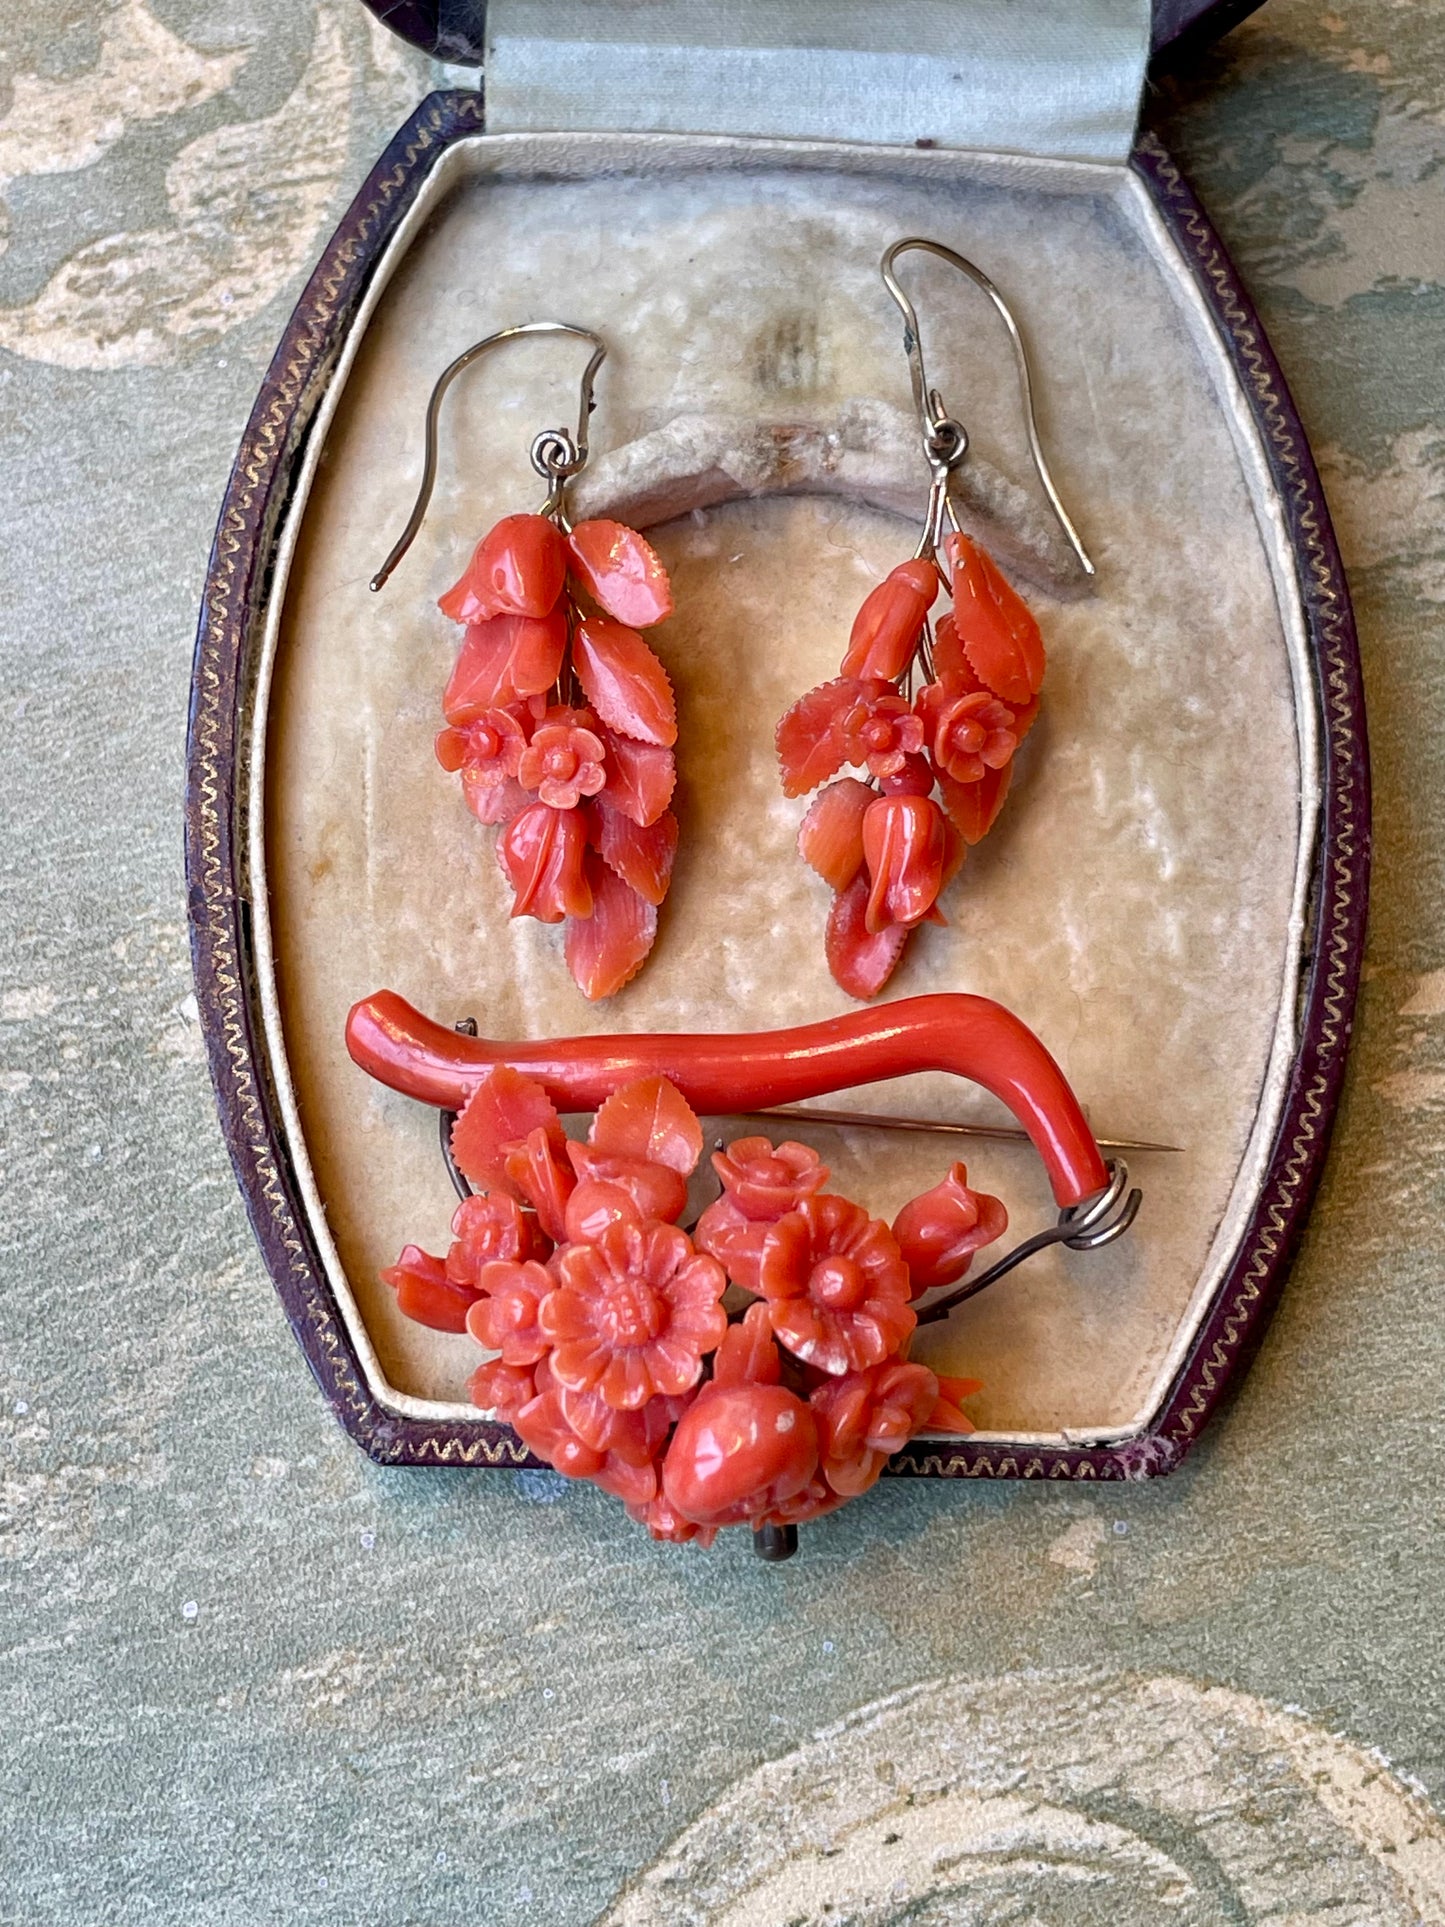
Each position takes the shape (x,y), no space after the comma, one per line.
(1176,900)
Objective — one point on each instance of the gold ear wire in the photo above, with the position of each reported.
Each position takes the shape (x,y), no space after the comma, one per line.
(556,455)
(945,440)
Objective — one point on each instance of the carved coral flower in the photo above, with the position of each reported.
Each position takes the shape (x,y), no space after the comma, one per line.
(864,1417)
(764,1180)
(562,763)
(506,1319)
(968,734)
(585,1438)
(734,1240)
(488,750)
(502,1388)
(544,1427)
(882,731)
(667,1525)
(634,1313)
(488,1227)
(761,1183)
(836,1286)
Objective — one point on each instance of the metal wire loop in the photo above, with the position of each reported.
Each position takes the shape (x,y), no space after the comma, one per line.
(1099,1220)
(555,453)
(564,455)
(932,415)
(946,443)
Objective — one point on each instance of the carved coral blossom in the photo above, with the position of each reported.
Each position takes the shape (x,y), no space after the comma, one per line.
(638,1437)
(667,1525)
(634,1313)
(882,731)
(761,1183)
(501,1388)
(485,1229)
(968,734)
(489,749)
(864,1417)
(562,763)
(544,1428)
(939,1231)
(734,1240)
(836,1286)
(765,1180)
(506,1318)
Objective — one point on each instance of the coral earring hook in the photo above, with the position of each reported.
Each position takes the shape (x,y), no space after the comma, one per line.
(556,454)
(945,441)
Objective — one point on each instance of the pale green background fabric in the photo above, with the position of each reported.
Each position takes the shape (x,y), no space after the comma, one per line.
(247,1677)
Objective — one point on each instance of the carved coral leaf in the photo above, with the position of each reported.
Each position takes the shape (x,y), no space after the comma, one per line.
(650,1119)
(640,777)
(809,736)
(950,665)
(496,1119)
(995,625)
(624,681)
(606,950)
(502,660)
(974,807)
(830,837)
(620,570)
(641,856)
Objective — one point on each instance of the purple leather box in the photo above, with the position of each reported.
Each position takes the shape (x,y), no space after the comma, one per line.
(229,640)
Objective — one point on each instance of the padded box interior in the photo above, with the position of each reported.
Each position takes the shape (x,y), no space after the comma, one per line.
(1140,902)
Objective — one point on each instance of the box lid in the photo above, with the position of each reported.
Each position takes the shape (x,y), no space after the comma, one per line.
(455,30)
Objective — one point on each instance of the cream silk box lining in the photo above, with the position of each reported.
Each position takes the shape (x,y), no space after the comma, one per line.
(1141,901)
(1050,77)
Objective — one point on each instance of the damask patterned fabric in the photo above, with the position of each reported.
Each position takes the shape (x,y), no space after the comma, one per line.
(245,1675)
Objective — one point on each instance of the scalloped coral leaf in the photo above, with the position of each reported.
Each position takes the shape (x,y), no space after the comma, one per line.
(517,569)
(496,1119)
(809,740)
(950,665)
(607,949)
(649,1119)
(830,837)
(425,1294)
(624,681)
(640,777)
(502,660)
(974,807)
(621,572)
(995,625)
(861,963)
(641,856)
